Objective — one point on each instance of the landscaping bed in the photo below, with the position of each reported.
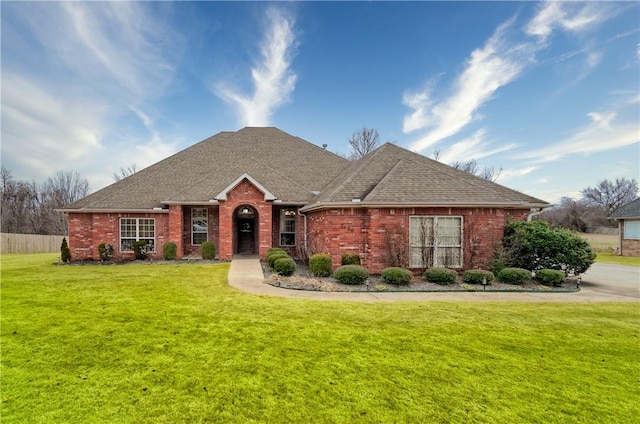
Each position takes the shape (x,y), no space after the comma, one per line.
(303,279)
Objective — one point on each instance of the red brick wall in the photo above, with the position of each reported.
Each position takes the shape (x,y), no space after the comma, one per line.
(244,193)
(88,230)
(213,221)
(367,231)
(296,251)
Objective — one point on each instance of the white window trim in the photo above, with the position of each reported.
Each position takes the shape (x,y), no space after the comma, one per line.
(137,238)
(632,235)
(283,219)
(435,251)
(199,232)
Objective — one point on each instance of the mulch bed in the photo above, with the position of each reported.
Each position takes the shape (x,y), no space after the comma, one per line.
(304,280)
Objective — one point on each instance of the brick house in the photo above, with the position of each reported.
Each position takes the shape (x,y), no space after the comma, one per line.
(628,217)
(249,190)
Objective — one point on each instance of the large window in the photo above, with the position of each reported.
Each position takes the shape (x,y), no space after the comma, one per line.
(288,227)
(137,229)
(199,225)
(435,241)
(632,230)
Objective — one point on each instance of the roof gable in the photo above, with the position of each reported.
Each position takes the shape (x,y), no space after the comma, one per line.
(223,194)
(628,210)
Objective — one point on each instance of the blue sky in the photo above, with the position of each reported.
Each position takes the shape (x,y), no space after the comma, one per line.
(549,92)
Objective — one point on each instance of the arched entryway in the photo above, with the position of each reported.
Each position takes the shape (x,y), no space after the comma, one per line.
(245,230)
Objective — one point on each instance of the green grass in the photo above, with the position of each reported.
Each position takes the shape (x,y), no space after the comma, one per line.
(611,258)
(173,344)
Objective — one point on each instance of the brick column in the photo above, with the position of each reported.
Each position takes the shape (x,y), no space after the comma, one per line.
(176,228)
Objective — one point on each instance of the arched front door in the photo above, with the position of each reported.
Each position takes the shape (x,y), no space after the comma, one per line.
(246,234)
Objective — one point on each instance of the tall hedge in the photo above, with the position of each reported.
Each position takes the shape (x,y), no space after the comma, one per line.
(535,245)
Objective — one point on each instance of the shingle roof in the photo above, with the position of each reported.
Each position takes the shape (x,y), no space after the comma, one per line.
(628,210)
(294,171)
(393,175)
(289,167)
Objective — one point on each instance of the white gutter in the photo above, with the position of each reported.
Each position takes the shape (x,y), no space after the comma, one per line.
(350,204)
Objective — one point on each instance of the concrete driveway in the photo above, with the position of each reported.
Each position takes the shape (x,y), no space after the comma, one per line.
(612,279)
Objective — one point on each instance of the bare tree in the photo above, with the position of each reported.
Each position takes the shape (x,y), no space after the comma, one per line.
(124,172)
(362,142)
(31,209)
(611,194)
(488,173)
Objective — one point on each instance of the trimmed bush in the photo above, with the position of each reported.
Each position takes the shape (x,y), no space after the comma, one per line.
(514,276)
(139,250)
(284,266)
(273,250)
(208,250)
(65,252)
(169,251)
(442,276)
(350,259)
(550,277)
(105,250)
(351,274)
(320,264)
(475,276)
(271,259)
(395,275)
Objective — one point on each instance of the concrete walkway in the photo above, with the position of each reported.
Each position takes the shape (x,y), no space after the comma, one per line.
(246,275)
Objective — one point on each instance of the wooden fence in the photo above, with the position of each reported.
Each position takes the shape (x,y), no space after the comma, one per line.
(29,243)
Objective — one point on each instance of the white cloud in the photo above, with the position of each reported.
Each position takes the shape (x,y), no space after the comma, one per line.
(509,174)
(498,63)
(96,62)
(473,147)
(603,133)
(489,68)
(273,79)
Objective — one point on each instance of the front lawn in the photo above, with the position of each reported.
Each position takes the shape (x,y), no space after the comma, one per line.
(612,258)
(174,343)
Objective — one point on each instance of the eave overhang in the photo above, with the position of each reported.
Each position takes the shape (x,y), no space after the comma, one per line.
(365,204)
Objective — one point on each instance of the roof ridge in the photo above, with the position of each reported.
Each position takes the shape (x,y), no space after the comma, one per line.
(387,176)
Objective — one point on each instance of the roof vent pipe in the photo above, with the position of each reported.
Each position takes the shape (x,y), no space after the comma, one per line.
(324,146)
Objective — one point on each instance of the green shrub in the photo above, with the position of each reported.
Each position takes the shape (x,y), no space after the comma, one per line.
(170,251)
(475,276)
(514,276)
(550,277)
(65,252)
(442,276)
(351,274)
(320,264)
(273,250)
(350,259)
(208,250)
(105,250)
(284,266)
(535,245)
(271,259)
(139,250)
(395,275)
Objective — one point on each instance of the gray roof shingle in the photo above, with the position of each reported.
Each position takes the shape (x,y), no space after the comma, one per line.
(628,210)
(293,169)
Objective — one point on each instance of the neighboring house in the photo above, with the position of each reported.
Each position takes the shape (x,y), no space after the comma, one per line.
(249,190)
(628,216)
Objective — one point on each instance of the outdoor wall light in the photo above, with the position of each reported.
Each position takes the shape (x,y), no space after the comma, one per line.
(289,212)
(245,211)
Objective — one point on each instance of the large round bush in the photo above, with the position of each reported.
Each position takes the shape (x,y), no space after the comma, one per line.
(169,251)
(272,258)
(208,250)
(351,274)
(320,264)
(476,276)
(514,276)
(442,276)
(350,259)
(395,275)
(550,277)
(284,266)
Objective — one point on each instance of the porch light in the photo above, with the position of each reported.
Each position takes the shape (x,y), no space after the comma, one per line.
(245,211)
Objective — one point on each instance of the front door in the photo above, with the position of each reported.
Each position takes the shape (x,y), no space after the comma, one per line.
(246,239)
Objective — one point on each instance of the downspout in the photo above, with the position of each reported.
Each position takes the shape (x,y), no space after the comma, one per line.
(304,215)
(534,213)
